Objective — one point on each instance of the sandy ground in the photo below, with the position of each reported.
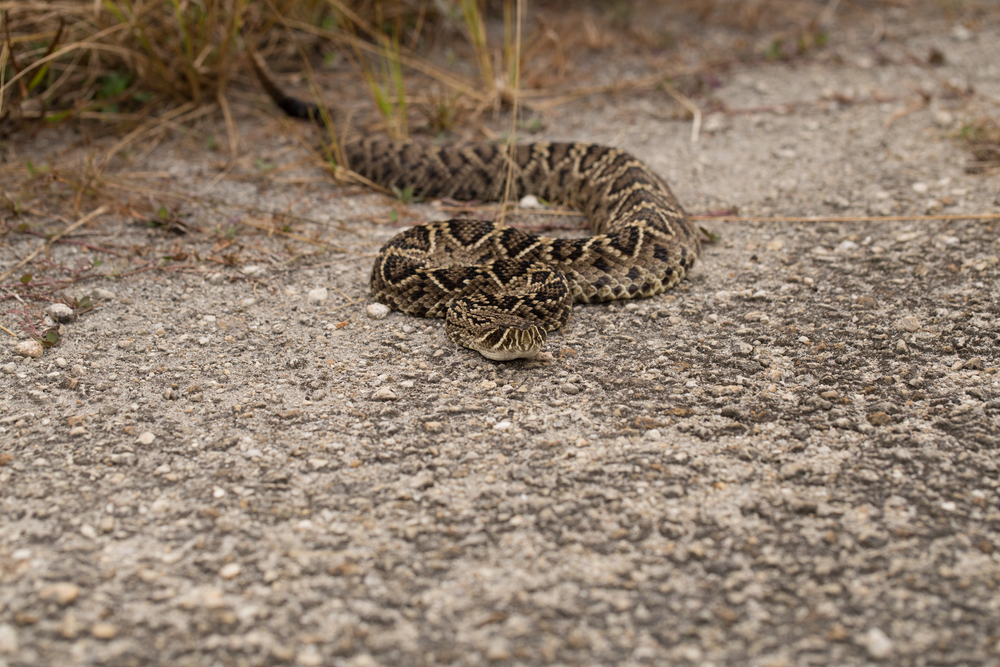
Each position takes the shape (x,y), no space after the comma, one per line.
(788,460)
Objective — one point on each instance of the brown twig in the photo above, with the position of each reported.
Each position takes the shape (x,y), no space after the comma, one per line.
(850,218)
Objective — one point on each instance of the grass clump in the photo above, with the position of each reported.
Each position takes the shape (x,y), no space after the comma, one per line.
(983,138)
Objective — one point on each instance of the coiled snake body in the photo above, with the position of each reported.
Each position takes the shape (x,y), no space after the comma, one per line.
(500,289)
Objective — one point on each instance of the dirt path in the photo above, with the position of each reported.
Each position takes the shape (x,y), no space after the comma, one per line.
(789,460)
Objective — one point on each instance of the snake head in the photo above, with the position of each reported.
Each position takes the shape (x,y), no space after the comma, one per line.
(494,334)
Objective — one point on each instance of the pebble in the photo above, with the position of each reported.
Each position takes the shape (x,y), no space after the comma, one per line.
(866,303)
(377,311)
(252,270)
(422,480)
(569,388)
(317,295)
(909,323)
(498,649)
(102,294)
(847,246)
(88,531)
(8,639)
(383,394)
(104,630)
(146,438)
(878,419)
(920,187)
(309,657)
(60,312)
(62,592)
(502,426)
(9,368)
(69,628)
(837,201)
(877,643)
(29,348)
(942,118)
(230,570)
(901,347)
(530,201)
(960,33)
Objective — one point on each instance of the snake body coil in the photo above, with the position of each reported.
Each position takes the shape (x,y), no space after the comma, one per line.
(501,289)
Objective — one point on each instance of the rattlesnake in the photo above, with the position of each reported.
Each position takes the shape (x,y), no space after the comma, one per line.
(500,289)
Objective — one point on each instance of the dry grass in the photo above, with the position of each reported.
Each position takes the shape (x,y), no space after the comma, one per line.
(143,69)
(983,138)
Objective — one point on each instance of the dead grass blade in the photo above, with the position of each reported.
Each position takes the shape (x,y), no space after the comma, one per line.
(512,140)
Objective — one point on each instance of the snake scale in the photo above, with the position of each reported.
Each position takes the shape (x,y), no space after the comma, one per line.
(499,289)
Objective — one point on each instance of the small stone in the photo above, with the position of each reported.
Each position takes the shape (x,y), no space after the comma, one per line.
(877,643)
(837,201)
(317,295)
(502,426)
(498,649)
(847,246)
(318,463)
(866,303)
(69,628)
(9,368)
(146,438)
(309,657)
(252,270)
(488,385)
(8,639)
(60,312)
(901,347)
(878,419)
(960,33)
(377,311)
(29,348)
(124,344)
(102,294)
(909,324)
(569,388)
(282,653)
(103,631)
(975,363)
(673,491)
(652,434)
(920,187)
(422,480)
(88,531)
(871,540)
(530,201)
(62,592)
(433,427)
(943,118)
(383,394)
(230,570)
(726,390)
